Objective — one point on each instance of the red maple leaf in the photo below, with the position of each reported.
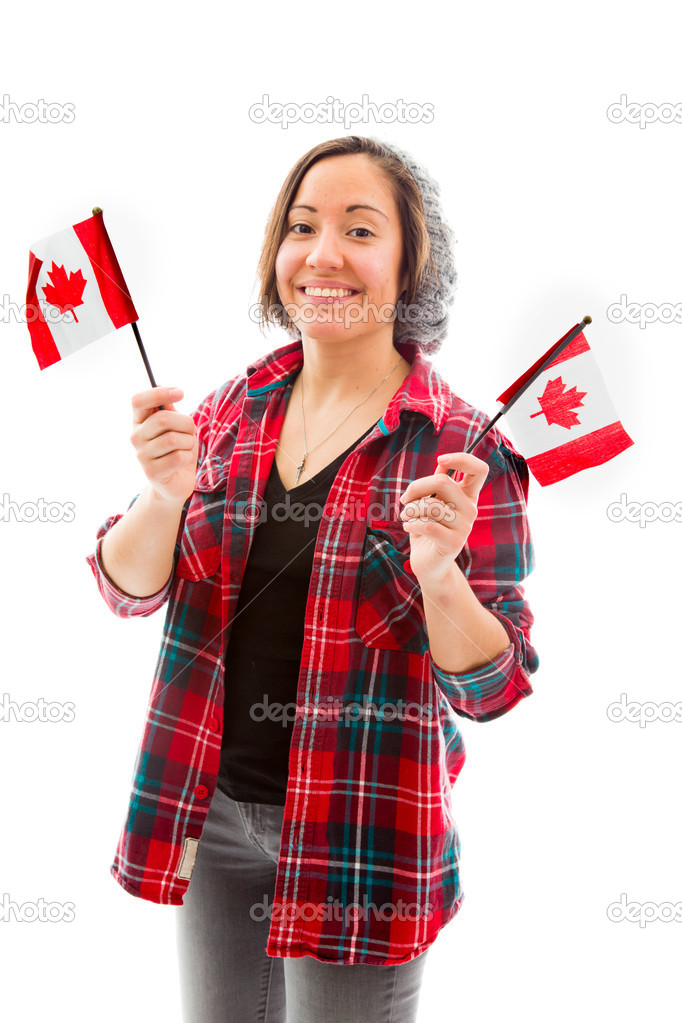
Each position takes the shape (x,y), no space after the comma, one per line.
(557,404)
(64,292)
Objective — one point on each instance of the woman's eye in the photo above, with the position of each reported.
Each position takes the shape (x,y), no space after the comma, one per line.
(365,229)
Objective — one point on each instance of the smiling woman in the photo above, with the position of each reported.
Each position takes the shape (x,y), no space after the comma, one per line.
(352,247)
(292,791)
(426,265)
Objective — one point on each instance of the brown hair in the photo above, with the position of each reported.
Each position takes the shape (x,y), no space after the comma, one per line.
(416,246)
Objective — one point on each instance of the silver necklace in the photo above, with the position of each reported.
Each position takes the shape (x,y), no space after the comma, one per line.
(305,443)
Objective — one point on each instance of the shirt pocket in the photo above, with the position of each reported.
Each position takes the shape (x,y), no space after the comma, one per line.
(390,609)
(200,547)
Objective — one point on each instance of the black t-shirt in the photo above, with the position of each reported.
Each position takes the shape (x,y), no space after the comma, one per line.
(263,655)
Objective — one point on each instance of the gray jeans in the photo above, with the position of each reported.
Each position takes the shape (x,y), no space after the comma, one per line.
(225,974)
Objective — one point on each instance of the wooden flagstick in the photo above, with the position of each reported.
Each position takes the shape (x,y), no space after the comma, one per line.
(543,366)
(97,211)
(143,354)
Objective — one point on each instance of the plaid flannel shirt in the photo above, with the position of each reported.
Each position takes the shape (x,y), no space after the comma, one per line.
(368,868)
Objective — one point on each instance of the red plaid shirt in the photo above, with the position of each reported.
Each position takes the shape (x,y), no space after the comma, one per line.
(368,869)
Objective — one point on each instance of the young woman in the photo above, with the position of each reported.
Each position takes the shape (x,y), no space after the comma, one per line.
(292,791)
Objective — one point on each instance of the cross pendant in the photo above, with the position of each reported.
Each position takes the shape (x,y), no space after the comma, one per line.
(300,469)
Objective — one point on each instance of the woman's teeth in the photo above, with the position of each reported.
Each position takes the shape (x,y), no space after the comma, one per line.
(328,292)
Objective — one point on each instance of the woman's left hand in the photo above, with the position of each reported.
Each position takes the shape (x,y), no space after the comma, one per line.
(439,526)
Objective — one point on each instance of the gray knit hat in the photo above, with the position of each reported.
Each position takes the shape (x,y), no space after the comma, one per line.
(427,323)
(426,320)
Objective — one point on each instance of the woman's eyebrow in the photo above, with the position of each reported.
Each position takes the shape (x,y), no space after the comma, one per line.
(349,209)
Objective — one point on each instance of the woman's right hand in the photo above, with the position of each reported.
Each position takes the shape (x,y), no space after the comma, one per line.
(166,443)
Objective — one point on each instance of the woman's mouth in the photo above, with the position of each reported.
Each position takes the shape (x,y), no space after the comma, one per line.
(326,296)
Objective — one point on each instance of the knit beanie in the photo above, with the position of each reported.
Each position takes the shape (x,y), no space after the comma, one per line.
(426,320)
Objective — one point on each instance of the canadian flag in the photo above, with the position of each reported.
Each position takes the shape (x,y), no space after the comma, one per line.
(76,292)
(564,421)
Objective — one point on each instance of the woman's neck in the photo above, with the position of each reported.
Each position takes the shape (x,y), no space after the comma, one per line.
(333,378)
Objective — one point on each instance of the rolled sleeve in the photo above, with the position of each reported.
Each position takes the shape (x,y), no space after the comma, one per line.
(498,556)
(494,688)
(123,604)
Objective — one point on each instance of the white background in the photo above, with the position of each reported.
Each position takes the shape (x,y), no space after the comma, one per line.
(558,211)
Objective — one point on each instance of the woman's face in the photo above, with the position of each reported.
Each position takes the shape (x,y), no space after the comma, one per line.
(333,240)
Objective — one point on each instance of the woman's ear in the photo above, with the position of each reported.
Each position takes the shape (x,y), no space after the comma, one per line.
(403,284)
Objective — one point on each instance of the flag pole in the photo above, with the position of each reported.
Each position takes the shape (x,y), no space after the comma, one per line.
(98,211)
(551,356)
(143,353)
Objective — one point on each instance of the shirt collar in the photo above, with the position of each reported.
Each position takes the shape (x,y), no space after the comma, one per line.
(423,389)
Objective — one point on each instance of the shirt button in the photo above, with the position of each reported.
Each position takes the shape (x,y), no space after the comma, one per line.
(201,792)
(213,724)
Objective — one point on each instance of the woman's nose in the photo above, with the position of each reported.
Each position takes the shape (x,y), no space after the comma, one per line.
(325,251)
